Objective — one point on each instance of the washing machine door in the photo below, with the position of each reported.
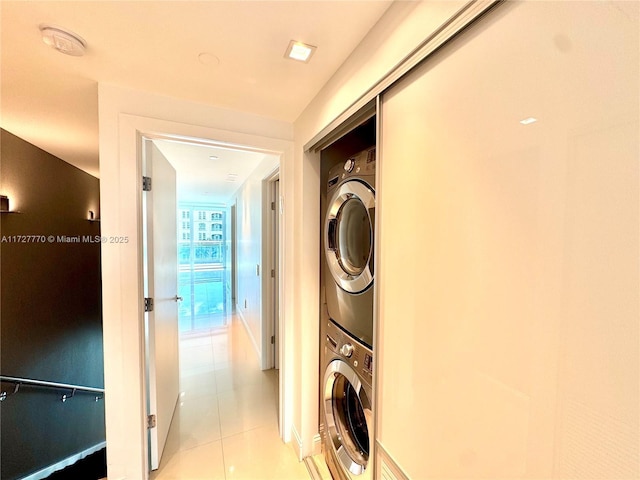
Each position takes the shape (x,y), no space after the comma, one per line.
(348,417)
(349,230)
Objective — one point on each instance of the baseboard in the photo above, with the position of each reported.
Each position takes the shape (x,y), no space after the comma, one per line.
(296,443)
(317,445)
(47,471)
(249,334)
(386,467)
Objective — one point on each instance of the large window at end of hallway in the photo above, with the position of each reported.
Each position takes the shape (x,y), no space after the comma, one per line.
(202,270)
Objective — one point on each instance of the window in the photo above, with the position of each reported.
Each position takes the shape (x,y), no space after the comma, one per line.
(202,272)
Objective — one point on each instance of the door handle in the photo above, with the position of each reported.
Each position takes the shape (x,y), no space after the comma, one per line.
(178,298)
(331,234)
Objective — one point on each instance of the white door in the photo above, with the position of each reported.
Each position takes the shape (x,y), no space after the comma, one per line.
(161,285)
(276,279)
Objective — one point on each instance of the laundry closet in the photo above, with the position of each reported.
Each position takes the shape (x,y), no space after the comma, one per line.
(348,179)
(505,250)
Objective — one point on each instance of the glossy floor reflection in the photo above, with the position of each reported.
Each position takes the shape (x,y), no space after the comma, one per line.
(226,421)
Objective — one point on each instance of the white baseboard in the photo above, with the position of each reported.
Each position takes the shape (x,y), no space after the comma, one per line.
(45,472)
(249,334)
(386,466)
(296,442)
(317,445)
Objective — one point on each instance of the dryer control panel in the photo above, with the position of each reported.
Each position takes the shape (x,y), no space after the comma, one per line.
(351,350)
(362,164)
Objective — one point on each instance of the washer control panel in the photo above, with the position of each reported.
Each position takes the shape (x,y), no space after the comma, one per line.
(351,350)
(361,164)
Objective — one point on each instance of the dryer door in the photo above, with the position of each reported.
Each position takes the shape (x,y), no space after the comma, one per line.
(348,417)
(349,229)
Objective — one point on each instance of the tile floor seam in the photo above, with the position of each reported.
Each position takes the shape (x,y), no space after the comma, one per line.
(215,375)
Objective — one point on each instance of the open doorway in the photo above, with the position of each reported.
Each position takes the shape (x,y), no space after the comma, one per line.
(222,269)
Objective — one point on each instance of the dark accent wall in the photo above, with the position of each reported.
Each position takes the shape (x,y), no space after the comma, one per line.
(50,308)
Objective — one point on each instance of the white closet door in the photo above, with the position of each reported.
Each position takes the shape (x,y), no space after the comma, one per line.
(508,275)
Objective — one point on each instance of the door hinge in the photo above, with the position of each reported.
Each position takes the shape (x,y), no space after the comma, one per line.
(148,304)
(151,421)
(273,273)
(146,184)
(273,339)
(273,205)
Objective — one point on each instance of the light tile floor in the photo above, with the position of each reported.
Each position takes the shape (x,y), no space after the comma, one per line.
(226,422)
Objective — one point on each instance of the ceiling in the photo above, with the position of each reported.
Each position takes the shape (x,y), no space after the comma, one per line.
(224,53)
(207,173)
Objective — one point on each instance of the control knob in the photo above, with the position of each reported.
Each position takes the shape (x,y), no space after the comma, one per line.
(349,164)
(346,350)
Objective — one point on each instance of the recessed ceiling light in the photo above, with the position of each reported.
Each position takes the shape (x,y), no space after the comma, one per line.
(207,58)
(528,120)
(213,157)
(232,177)
(63,40)
(299,51)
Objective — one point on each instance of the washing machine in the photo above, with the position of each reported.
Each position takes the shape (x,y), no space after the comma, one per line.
(349,227)
(346,406)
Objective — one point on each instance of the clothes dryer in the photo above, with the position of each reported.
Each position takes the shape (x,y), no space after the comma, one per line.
(347,415)
(349,229)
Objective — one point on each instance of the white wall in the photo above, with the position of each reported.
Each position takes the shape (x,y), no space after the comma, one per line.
(123,113)
(249,228)
(400,30)
(509,284)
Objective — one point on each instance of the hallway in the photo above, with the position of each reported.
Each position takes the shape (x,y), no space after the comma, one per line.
(226,421)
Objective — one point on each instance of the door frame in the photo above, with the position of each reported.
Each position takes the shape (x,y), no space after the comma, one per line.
(271,254)
(123,284)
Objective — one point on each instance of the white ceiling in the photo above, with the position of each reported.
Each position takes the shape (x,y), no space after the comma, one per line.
(50,99)
(202,179)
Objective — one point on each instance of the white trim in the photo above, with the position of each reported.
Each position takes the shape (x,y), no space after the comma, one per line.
(317,445)
(456,24)
(267,284)
(122,291)
(386,466)
(45,472)
(296,442)
(249,333)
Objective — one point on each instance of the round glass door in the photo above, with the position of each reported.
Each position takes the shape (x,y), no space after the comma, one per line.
(353,236)
(347,417)
(349,236)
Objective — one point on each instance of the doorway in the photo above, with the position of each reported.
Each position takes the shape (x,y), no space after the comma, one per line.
(122,278)
(220,237)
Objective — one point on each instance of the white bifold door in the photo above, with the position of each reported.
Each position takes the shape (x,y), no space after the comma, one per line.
(161,286)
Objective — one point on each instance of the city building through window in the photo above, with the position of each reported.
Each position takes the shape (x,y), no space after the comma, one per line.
(202,274)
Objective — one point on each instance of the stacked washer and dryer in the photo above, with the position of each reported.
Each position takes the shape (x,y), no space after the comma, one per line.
(346,415)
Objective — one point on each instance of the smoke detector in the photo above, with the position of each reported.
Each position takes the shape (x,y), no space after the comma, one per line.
(63,40)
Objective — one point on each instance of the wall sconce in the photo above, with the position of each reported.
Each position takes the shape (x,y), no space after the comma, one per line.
(92,217)
(4,204)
